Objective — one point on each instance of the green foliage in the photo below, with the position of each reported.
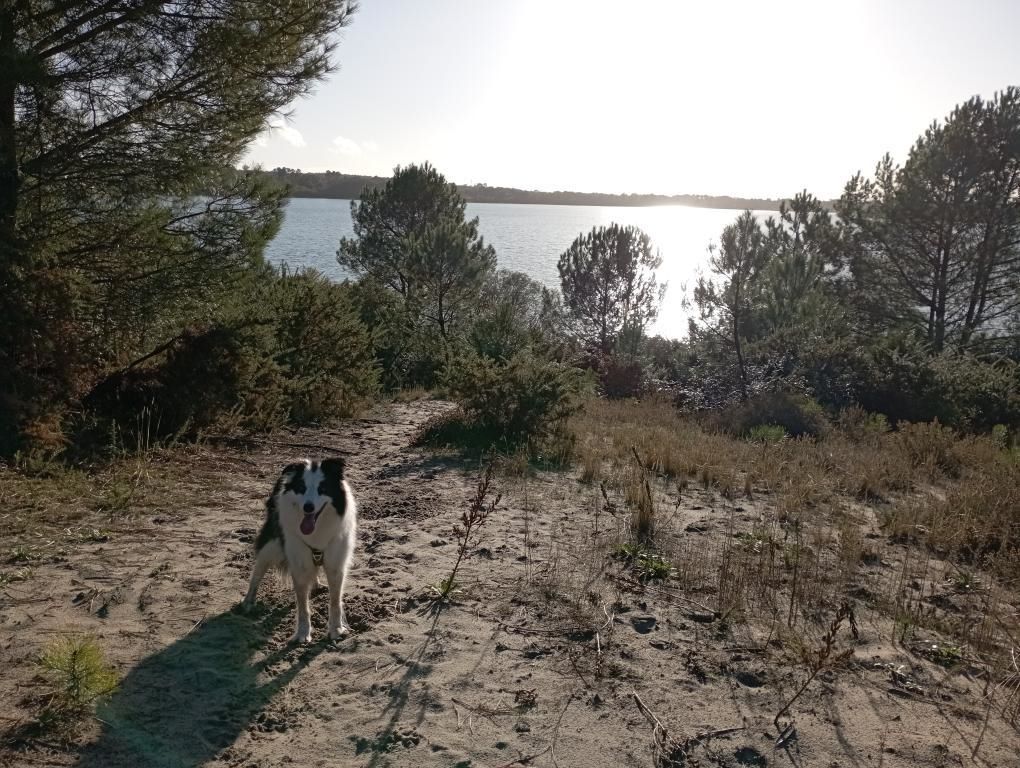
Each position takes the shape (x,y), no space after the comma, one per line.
(772,290)
(1000,436)
(422,267)
(410,352)
(513,313)
(77,675)
(728,301)
(935,241)
(295,352)
(388,221)
(902,380)
(117,118)
(449,263)
(766,433)
(411,237)
(523,401)
(803,253)
(647,565)
(321,349)
(797,415)
(608,282)
(861,426)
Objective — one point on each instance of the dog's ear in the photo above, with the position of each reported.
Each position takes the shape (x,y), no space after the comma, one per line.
(293,468)
(333,466)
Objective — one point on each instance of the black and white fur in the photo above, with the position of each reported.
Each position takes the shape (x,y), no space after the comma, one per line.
(310,509)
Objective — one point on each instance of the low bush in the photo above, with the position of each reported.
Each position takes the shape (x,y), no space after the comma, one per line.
(410,352)
(296,353)
(524,401)
(862,426)
(621,376)
(798,415)
(766,433)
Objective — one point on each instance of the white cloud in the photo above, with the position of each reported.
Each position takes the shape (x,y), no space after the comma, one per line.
(341,145)
(344,146)
(286,132)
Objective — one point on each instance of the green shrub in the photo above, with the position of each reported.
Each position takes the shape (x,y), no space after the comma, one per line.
(523,401)
(322,350)
(797,415)
(647,565)
(77,674)
(766,433)
(861,426)
(904,381)
(207,376)
(509,317)
(296,352)
(977,394)
(410,352)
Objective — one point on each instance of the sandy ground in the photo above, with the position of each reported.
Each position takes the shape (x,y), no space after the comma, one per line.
(536,662)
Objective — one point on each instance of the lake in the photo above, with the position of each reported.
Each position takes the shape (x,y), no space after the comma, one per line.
(530,239)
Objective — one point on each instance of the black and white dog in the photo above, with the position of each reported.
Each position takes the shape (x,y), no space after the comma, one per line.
(310,522)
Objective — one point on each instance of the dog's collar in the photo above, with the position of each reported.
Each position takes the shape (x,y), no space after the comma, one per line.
(316,556)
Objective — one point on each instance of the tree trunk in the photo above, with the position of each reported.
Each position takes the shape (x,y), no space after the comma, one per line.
(941,289)
(9,251)
(740,361)
(736,336)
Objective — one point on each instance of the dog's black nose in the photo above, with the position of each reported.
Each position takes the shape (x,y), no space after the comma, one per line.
(309,507)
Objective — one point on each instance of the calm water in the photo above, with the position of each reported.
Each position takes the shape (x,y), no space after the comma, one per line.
(528,238)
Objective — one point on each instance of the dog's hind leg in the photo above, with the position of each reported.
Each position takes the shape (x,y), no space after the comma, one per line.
(267,557)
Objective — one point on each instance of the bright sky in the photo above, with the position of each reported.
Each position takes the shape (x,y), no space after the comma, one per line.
(742,98)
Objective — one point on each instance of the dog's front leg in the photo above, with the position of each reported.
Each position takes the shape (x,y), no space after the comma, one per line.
(303,582)
(338,625)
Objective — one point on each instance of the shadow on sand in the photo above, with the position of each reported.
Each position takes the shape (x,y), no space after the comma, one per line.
(185,704)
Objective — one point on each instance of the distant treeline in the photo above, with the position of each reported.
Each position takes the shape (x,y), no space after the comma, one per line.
(332,184)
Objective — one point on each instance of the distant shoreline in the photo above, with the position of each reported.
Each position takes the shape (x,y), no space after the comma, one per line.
(341,186)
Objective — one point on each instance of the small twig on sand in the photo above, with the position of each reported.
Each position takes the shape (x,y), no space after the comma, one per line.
(483,711)
(556,728)
(524,759)
(674,596)
(669,750)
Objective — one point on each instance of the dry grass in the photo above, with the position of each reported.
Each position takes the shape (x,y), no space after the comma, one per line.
(918,525)
(47,507)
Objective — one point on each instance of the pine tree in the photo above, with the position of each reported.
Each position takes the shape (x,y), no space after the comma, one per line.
(412,238)
(938,239)
(114,114)
(608,282)
(727,304)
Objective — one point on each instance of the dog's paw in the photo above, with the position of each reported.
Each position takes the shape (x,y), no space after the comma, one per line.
(245,606)
(301,637)
(338,633)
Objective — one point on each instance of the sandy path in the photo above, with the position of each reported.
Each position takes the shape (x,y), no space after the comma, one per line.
(536,662)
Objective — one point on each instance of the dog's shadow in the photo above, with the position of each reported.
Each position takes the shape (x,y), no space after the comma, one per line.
(185,704)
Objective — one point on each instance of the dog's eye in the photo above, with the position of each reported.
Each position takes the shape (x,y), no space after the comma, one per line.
(297,486)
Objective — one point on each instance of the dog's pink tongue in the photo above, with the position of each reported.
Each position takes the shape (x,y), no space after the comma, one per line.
(308,524)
